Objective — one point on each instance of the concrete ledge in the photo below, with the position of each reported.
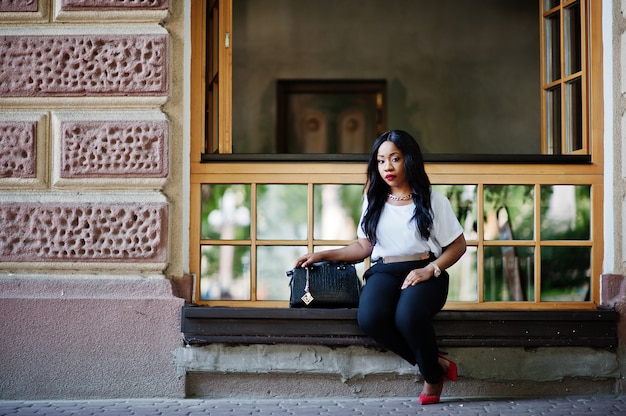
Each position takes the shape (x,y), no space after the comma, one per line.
(317,371)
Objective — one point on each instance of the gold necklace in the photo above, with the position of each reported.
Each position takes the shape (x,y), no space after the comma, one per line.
(399,198)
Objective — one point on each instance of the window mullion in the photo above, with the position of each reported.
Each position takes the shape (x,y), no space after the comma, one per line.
(225,82)
(253,241)
(310,217)
(537,234)
(584,78)
(480,226)
(563,83)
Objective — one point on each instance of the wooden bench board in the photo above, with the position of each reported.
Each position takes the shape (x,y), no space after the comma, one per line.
(338,327)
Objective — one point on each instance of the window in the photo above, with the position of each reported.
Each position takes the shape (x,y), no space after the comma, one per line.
(564,76)
(533,225)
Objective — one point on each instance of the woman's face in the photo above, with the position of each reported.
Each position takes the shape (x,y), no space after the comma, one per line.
(391,164)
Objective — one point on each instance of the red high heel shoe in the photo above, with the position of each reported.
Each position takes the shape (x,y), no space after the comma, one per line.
(452,373)
(431,399)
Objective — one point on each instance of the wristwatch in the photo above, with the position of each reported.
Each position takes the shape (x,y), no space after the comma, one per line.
(437,271)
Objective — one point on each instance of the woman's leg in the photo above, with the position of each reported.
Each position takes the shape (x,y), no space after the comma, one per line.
(414,313)
(377,313)
(401,320)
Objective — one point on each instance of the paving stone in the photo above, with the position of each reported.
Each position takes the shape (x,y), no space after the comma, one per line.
(601,405)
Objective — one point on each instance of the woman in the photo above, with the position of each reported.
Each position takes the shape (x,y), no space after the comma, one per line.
(412,235)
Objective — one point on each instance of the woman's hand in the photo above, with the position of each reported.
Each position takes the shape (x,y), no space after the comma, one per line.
(451,254)
(308,259)
(417,276)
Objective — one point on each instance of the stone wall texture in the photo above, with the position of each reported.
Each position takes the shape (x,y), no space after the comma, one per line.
(114,148)
(85,211)
(101,146)
(113,4)
(67,65)
(79,232)
(18,152)
(19,5)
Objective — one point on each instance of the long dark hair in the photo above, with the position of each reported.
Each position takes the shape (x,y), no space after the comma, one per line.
(377,189)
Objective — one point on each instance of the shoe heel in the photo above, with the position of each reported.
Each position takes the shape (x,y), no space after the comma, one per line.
(428,399)
(452,373)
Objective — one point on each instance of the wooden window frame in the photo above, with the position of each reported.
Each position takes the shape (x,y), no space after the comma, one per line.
(251,170)
(564,79)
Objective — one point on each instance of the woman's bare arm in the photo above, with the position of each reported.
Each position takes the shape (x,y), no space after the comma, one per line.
(354,252)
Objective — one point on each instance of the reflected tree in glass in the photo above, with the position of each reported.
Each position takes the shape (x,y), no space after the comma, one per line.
(225,272)
(225,269)
(509,215)
(565,215)
(565,212)
(282,212)
(225,212)
(565,274)
(272,265)
(337,210)
(464,274)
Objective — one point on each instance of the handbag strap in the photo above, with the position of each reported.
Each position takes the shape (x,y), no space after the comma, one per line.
(306,286)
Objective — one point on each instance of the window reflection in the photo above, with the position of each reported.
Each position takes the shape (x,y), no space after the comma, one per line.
(463,275)
(509,273)
(225,212)
(565,212)
(509,212)
(272,265)
(337,211)
(508,244)
(464,278)
(225,272)
(565,273)
(553,47)
(282,212)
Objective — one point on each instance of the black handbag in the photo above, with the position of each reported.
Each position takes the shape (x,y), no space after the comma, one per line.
(324,285)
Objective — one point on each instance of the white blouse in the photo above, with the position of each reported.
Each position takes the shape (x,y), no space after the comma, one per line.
(397,233)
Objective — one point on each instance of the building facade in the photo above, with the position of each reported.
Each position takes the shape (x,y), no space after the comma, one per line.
(99,239)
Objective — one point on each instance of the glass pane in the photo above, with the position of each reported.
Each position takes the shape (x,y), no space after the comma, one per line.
(338,118)
(213,116)
(281,212)
(502,100)
(464,201)
(225,272)
(212,88)
(509,212)
(574,124)
(565,273)
(550,4)
(509,274)
(553,121)
(464,278)
(225,212)
(566,212)
(213,39)
(337,211)
(553,48)
(272,264)
(573,42)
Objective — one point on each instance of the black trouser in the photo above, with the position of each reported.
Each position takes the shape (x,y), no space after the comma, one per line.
(401,320)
